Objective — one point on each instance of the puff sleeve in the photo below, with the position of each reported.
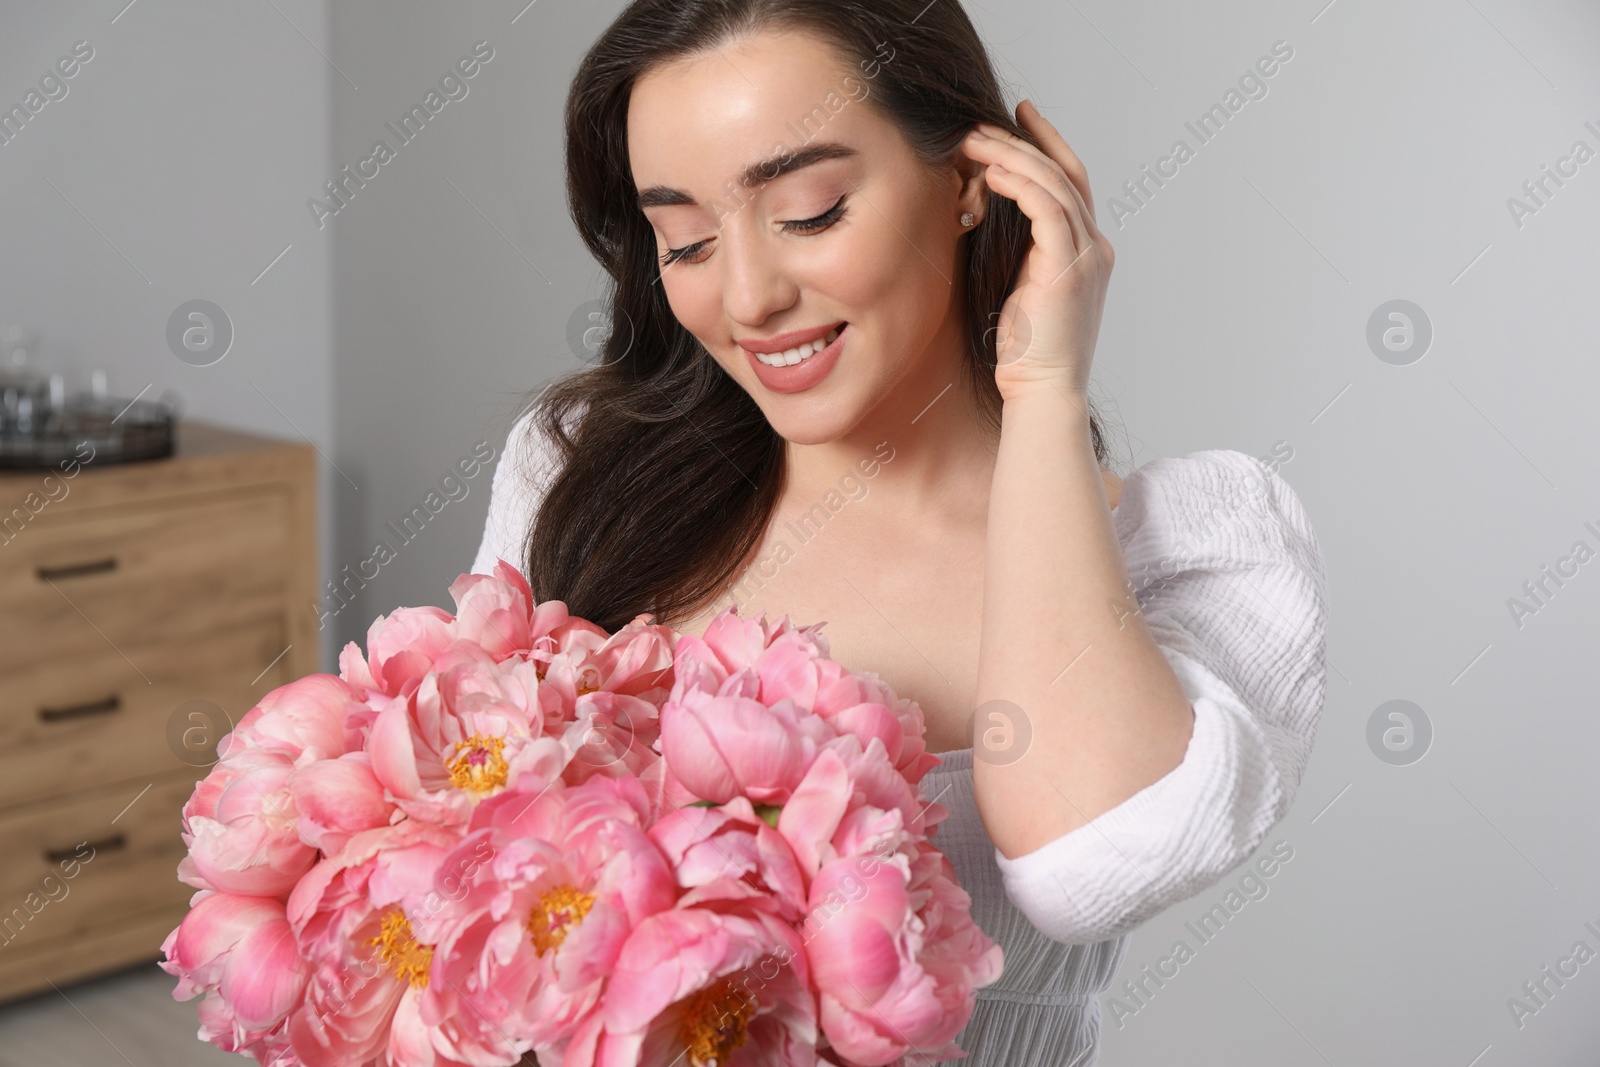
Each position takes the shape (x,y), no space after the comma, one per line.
(520,480)
(1230,579)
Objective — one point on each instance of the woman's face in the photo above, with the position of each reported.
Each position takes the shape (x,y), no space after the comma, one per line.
(842,229)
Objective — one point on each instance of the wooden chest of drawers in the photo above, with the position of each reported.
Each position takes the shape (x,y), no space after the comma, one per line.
(144,608)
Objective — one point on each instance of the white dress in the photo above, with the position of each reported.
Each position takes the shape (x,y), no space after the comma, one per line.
(1230,578)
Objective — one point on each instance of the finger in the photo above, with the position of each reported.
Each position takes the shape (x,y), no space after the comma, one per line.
(1053,223)
(1056,145)
(1016,154)
(1068,203)
(1085,216)
(1085,209)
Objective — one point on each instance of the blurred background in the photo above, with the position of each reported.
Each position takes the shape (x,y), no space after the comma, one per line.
(1378,270)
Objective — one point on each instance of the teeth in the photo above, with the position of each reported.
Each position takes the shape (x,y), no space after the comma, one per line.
(795,355)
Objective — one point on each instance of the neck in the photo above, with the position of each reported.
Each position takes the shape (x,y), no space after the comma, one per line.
(930,455)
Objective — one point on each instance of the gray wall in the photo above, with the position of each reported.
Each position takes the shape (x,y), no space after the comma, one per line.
(457,268)
(1378,167)
(175,168)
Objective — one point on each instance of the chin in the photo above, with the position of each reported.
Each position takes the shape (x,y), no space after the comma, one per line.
(813,422)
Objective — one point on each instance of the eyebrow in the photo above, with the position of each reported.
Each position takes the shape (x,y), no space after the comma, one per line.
(755,173)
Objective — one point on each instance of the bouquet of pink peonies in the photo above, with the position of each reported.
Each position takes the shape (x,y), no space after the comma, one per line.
(507,831)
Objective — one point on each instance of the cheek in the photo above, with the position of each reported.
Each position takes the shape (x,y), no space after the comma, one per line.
(883,275)
(694,299)
(867,265)
(893,258)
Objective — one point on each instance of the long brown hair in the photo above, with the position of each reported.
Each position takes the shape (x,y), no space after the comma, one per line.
(670,472)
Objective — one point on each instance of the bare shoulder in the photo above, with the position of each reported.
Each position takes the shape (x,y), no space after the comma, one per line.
(1113,486)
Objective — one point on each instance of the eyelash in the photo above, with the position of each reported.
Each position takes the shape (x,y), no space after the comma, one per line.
(803,226)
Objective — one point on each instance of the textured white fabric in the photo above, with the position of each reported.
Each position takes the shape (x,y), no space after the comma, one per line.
(1230,579)
(519,483)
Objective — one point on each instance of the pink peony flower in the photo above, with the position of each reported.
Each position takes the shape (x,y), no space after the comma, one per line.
(496,612)
(720,747)
(731,853)
(560,879)
(221,1027)
(496,616)
(852,802)
(789,662)
(367,968)
(896,955)
(461,736)
(610,734)
(305,720)
(796,665)
(240,951)
(241,828)
(401,648)
(829,814)
(956,952)
(730,648)
(701,987)
(636,661)
(608,698)
(893,947)
(338,798)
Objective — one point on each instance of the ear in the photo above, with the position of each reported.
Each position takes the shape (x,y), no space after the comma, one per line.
(972,192)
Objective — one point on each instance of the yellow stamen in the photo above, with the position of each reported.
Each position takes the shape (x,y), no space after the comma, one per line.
(557,912)
(583,685)
(479,766)
(400,951)
(716,1022)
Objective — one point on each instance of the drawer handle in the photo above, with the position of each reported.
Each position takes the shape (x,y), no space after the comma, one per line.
(78,570)
(81,711)
(108,844)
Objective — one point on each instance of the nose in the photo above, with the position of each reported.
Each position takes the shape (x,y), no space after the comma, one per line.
(756,284)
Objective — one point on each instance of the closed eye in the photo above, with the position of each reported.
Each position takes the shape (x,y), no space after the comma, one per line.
(821,222)
(800,226)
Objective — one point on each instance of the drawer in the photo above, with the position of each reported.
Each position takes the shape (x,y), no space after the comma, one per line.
(76,724)
(33,965)
(133,869)
(77,584)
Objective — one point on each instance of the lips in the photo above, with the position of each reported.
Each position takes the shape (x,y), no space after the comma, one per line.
(792,339)
(806,373)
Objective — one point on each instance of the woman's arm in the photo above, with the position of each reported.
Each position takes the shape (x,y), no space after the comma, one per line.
(1064,649)
(1147,770)
(1230,581)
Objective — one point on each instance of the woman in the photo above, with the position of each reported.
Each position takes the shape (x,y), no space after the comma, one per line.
(855,306)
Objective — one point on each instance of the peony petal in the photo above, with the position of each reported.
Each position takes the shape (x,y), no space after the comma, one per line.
(264,977)
(811,816)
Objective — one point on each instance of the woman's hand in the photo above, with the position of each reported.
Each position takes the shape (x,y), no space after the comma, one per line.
(1049,324)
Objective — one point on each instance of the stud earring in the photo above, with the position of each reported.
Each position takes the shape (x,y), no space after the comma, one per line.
(967,218)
